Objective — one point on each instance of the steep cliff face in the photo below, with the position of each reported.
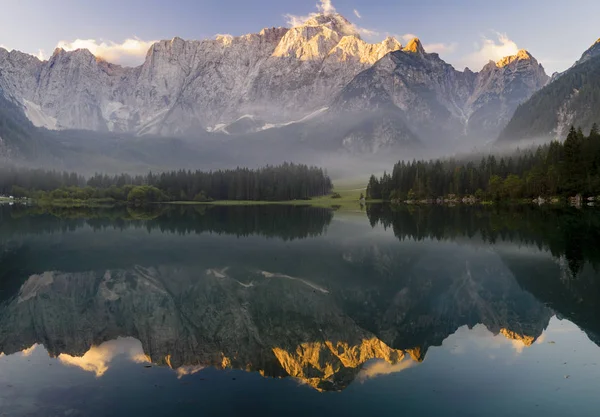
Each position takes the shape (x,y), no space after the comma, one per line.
(17,137)
(499,89)
(275,75)
(592,52)
(246,84)
(434,100)
(570,99)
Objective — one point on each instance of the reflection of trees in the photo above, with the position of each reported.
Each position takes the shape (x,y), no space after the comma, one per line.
(564,231)
(286,222)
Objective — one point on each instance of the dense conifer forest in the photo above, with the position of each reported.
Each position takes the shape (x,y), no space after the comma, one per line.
(556,169)
(272,183)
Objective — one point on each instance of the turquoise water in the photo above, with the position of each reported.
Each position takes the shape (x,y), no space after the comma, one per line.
(299,311)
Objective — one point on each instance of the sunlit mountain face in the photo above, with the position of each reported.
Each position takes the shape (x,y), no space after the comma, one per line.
(300,298)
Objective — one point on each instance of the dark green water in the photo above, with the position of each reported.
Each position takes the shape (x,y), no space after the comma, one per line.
(299,311)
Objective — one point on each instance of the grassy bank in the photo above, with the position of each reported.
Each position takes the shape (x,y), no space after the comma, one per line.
(349,200)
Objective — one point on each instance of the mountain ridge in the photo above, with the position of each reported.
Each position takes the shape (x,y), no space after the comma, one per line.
(275,78)
(571,98)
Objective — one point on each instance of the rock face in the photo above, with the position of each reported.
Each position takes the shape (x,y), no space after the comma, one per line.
(571,98)
(275,76)
(592,52)
(434,100)
(16,132)
(499,89)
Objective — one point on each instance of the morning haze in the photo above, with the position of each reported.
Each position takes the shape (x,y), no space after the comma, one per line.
(261,208)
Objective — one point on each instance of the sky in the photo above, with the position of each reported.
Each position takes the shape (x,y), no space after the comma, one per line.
(464,32)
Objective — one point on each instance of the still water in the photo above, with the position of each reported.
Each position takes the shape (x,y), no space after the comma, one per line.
(299,311)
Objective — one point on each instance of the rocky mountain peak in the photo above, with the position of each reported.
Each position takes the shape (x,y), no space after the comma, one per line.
(331,35)
(392,42)
(80,54)
(312,40)
(334,21)
(522,55)
(414,46)
(58,51)
(592,52)
(351,47)
(274,77)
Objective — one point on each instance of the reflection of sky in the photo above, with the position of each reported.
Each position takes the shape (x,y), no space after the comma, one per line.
(473,370)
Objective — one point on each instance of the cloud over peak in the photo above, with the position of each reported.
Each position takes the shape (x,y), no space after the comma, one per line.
(130,52)
(325,7)
(490,50)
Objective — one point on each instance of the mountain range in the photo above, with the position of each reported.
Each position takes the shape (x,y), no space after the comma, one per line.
(319,85)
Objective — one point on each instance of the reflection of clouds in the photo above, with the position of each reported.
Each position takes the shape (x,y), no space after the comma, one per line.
(188,370)
(479,337)
(29,351)
(97,360)
(381,367)
(518,346)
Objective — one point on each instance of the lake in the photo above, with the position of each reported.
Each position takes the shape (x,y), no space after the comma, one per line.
(299,311)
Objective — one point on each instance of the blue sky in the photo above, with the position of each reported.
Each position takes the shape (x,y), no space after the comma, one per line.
(464,32)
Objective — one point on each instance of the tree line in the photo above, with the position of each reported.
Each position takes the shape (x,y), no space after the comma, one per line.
(556,169)
(287,222)
(564,231)
(271,183)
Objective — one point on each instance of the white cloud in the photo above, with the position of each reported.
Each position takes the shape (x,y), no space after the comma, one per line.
(325,7)
(367,32)
(98,359)
(130,52)
(441,48)
(407,37)
(188,370)
(490,50)
(357,14)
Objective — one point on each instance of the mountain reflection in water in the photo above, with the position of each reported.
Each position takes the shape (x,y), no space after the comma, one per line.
(293,293)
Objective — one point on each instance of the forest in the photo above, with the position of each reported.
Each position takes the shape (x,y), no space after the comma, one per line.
(553,170)
(272,183)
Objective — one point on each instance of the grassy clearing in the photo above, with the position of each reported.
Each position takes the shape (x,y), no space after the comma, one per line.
(349,199)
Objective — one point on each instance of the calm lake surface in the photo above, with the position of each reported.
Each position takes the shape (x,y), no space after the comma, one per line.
(297,311)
